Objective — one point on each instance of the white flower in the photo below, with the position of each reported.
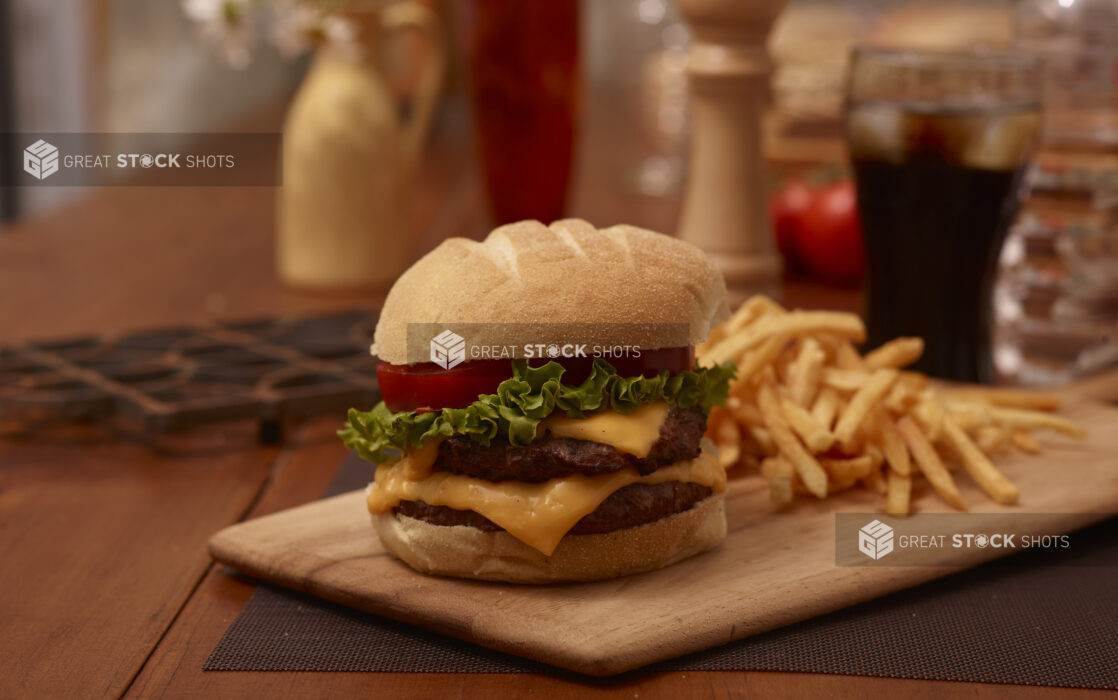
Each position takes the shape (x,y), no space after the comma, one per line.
(225,23)
(299,27)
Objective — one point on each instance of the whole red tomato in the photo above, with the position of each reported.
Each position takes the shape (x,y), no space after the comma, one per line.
(829,241)
(787,208)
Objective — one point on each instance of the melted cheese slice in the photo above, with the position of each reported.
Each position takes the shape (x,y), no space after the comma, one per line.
(418,463)
(633,433)
(538,515)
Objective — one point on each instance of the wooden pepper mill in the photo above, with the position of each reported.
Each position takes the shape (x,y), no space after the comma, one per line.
(725,208)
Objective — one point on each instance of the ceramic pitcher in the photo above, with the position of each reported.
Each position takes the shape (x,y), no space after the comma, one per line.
(342,217)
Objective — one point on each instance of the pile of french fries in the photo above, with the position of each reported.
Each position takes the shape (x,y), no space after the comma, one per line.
(815,416)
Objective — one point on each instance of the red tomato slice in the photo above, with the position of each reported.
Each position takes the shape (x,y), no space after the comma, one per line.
(428,387)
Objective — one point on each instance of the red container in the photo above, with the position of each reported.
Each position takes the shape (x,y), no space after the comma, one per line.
(525,92)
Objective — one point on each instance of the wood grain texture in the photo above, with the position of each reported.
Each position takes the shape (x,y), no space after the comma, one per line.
(102,542)
(302,471)
(776,567)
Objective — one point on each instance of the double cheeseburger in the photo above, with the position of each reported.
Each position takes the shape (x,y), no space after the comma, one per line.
(511,461)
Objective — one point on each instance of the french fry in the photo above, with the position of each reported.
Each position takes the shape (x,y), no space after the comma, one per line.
(846,357)
(805,370)
(916,381)
(877,458)
(901,398)
(1007,398)
(898,352)
(813,476)
(856,446)
(757,306)
(716,335)
(746,413)
(929,462)
(981,469)
(781,475)
(892,445)
(969,415)
(868,396)
(754,433)
(728,439)
(898,490)
(838,486)
(719,417)
(1034,420)
(814,435)
(760,358)
(794,323)
(844,380)
(851,469)
(743,391)
(1025,442)
(929,412)
(754,308)
(773,467)
(991,439)
(826,406)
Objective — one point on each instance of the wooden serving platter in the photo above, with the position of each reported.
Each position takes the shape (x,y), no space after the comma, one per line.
(775,567)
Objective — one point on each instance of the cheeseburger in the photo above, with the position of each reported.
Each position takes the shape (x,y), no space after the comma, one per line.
(543,414)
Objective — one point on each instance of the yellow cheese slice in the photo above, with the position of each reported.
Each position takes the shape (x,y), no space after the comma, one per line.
(538,515)
(633,433)
(419,462)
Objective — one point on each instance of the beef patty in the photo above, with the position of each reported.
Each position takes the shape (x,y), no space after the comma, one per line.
(553,458)
(632,505)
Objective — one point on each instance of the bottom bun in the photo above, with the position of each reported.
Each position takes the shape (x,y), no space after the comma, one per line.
(468,552)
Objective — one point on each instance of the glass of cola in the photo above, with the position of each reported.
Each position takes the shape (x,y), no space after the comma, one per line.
(939,143)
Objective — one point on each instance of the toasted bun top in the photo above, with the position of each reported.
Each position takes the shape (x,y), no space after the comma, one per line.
(666,292)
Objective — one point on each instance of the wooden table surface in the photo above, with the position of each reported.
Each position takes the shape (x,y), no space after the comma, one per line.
(106,589)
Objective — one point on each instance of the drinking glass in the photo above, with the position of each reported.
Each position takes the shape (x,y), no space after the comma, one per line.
(939,143)
(525,93)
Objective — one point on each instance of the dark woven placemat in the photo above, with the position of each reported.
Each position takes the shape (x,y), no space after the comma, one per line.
(1044,618)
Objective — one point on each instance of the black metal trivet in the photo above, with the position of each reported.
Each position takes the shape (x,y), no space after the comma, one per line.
(269,369)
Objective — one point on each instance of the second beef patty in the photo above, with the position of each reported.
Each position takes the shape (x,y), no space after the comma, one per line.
(630,506)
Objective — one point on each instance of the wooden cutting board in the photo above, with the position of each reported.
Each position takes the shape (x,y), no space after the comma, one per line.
(775,567)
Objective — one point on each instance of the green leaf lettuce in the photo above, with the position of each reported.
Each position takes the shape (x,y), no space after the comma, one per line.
(529,396)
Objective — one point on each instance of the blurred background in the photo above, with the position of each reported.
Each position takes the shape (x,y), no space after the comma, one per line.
(440,152)
(139,66)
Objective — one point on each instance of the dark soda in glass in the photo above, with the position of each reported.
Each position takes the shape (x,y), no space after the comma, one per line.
(938,187)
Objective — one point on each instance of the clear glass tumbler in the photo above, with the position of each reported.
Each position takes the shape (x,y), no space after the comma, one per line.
(939,142)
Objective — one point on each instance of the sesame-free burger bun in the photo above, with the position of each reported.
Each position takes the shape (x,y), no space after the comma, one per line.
(467,552)
(668,293)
